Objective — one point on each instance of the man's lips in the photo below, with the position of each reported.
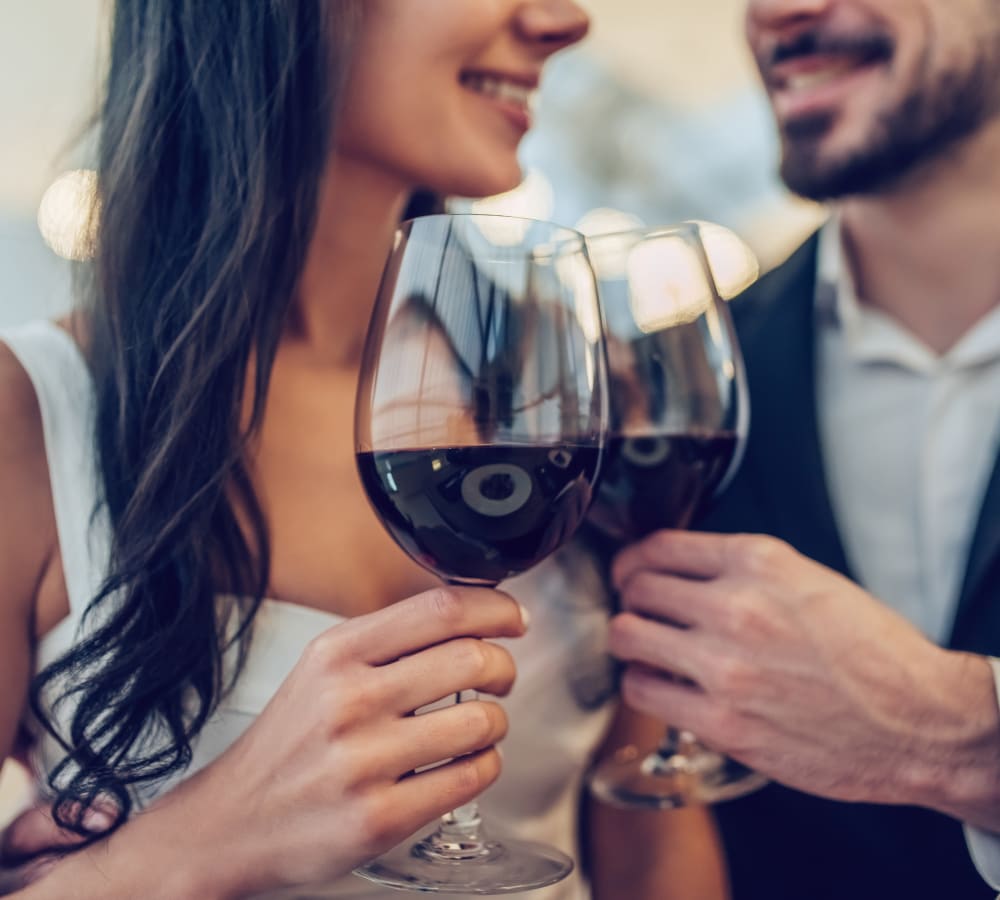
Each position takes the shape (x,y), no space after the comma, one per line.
(813,58)
(809,72)
(815,72)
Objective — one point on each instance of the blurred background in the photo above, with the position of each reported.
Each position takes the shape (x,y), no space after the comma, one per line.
(658,117)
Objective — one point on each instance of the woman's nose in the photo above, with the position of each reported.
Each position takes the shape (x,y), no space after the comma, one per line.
(553,24)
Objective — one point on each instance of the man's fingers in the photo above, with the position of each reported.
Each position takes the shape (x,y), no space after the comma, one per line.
(699,555)
(690,554)
(427,619)
(674,703)
(671,598)
(671,650)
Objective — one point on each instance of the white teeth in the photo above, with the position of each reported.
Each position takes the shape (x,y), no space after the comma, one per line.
(491,86)
(808,80)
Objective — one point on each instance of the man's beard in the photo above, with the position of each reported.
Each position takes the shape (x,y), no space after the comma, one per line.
(921,129)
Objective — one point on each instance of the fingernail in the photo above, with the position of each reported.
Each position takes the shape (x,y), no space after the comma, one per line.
(97,819)
(525,616)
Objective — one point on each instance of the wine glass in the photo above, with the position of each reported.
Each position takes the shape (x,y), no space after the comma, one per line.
(679,417)
(480,425)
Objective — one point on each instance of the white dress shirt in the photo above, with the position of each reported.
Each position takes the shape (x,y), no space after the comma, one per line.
(909,441)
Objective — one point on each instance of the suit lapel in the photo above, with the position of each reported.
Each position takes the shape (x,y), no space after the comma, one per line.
(784,462)
(977,621)
(777,331)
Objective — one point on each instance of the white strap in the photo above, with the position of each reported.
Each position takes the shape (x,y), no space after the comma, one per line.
(65,392)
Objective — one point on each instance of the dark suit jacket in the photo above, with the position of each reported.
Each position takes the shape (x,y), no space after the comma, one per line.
(782,844)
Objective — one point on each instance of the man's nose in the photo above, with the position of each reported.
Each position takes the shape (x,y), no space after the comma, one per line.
(772,15)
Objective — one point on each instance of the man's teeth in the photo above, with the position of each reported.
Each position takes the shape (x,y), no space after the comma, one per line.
(500,89)
(807,80)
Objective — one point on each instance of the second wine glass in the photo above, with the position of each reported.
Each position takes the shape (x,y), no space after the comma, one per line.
(679,416)
(480,423)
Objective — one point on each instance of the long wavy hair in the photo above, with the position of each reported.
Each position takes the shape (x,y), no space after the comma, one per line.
(214,133)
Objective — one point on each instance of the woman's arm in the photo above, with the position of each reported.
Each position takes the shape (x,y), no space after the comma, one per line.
(643,855)
(27,542)
(27,538)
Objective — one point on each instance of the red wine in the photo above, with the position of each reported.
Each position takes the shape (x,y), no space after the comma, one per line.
(481,514)
(659,481)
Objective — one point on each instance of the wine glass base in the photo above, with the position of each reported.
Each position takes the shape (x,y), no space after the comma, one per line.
(509,867)
(629,781)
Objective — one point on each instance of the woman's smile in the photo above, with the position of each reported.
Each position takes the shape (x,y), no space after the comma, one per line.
(513,95)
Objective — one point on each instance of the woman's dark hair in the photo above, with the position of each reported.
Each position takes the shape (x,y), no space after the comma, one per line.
(214,134)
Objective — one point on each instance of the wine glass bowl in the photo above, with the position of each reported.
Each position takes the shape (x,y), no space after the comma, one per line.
(678,421)
(480,424)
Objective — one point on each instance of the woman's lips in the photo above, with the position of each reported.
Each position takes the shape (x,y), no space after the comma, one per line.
(513,95)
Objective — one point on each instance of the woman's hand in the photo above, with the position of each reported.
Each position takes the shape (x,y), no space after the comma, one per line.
(324,779)
(33,843)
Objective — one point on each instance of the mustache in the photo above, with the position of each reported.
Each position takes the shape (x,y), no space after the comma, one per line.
(869,47)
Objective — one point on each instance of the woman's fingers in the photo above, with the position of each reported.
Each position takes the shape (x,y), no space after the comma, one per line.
(414,742)
(387,816)
(427,619)
(35,832)
(440,790)
(20,877)
(459,665)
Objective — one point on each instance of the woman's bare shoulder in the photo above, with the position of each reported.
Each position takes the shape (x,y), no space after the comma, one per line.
(27,535)
(27,525)
(20,417)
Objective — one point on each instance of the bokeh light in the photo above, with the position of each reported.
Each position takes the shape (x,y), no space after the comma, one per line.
(66,214)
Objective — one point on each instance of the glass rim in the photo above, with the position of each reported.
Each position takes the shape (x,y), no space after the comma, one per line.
(687,227)
(562,235)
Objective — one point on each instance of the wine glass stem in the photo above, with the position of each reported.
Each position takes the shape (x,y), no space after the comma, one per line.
(459,834)
(463,824)
(675,742)
(681,753)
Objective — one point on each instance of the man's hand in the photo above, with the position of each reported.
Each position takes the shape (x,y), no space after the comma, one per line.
(800,674)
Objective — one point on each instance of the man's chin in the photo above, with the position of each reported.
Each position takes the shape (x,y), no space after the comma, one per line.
(806,129)
(823,181)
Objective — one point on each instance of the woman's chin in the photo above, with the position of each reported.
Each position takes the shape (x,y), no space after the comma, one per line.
(477,185)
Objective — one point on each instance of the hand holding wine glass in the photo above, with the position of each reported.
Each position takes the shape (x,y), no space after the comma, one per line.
(679,416)
(324,777)
(481,420)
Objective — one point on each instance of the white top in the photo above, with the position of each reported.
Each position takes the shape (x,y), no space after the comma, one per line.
(909,441)
(559,708)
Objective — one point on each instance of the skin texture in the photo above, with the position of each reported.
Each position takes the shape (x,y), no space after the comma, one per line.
(864,92)
(785,665)
(328,780)
(802,675)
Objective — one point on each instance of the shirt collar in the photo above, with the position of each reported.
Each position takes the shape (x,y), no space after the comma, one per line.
(870,336)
